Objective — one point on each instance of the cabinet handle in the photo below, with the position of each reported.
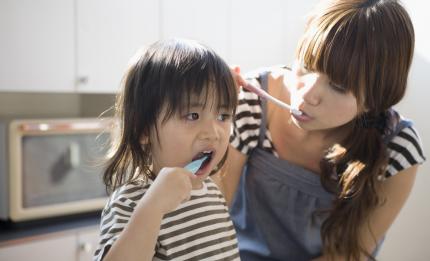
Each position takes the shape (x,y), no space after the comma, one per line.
(86,247)
(82,80)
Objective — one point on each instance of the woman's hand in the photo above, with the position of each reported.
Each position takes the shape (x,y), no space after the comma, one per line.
(235,71)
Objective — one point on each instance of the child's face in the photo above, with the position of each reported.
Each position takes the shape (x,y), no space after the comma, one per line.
(324,104)
(184,138)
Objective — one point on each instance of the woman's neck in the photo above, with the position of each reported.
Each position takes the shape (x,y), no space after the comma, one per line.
(326,137)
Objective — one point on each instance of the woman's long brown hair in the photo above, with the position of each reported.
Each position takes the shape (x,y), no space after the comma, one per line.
(366,47)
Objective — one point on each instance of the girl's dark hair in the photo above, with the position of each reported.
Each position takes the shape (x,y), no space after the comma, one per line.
(366,47)
(162,79)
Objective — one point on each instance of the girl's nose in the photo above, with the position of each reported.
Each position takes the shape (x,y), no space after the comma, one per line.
(209,131)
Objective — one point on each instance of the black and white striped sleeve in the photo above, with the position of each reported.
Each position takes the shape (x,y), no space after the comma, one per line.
(246,126)
(405,150)
(116,215)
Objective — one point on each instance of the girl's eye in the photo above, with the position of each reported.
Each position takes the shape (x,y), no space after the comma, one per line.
(193,116)
(224,117)
(337,87)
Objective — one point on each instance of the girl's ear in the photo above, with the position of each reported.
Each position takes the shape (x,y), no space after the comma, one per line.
(362,108)
(144,140)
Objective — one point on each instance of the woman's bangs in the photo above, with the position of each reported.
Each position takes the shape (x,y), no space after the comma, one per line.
(330,47)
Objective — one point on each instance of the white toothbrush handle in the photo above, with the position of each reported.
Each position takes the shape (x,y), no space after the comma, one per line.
(269,97)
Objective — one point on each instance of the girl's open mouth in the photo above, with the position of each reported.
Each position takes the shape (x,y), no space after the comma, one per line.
(208,154)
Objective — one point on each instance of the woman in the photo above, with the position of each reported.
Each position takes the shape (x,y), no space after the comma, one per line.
(327,184)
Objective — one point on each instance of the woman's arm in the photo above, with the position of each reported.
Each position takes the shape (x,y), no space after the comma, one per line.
(395,192)
(228,177)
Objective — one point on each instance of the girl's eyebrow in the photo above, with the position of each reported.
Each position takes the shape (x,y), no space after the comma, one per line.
(200,105)
(196,104)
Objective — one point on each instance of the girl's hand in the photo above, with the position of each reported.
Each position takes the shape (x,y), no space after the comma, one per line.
(139,238)
(235,71)
(171,187)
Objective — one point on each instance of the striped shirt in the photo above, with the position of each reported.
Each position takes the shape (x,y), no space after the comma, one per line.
(404,150)
(198,229)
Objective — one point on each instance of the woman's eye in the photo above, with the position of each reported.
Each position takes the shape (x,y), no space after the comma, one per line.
(337,87)
(306,69)
(193,116)
(224,117)
(303,70)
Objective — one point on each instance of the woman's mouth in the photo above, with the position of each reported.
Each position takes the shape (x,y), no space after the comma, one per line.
(302,118)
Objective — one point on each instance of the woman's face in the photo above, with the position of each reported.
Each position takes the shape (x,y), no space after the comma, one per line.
(324,105)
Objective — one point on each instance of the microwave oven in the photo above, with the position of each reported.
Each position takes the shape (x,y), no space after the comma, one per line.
(52,167)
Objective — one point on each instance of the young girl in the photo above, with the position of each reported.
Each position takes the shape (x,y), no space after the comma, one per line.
(176,107)
(327,184)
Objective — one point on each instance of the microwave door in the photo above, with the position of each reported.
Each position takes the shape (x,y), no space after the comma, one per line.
(60,168)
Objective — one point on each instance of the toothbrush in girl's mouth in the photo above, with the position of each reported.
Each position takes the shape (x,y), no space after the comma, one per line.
(195,165)
(265,95)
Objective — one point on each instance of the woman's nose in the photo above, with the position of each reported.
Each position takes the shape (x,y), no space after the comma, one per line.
(310,89)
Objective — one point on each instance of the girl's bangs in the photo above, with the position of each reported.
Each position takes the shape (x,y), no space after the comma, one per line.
(215,94)
(209,88)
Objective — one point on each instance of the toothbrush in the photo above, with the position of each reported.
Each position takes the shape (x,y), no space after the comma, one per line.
(195,165)
(265,95)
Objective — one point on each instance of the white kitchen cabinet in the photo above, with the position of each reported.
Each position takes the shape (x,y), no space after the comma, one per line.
(258,33)
(55,247)
(37,45)
(266,33)
(203,20)
(72,45)
(73,245)
(87,243)
(248,33)
(84,45)
(109,32)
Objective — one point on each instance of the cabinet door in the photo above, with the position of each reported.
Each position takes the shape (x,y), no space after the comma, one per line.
(266,33)
(203,20)
(37,45)
(50,249)
(109,32)
(88,241)
(258,30)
